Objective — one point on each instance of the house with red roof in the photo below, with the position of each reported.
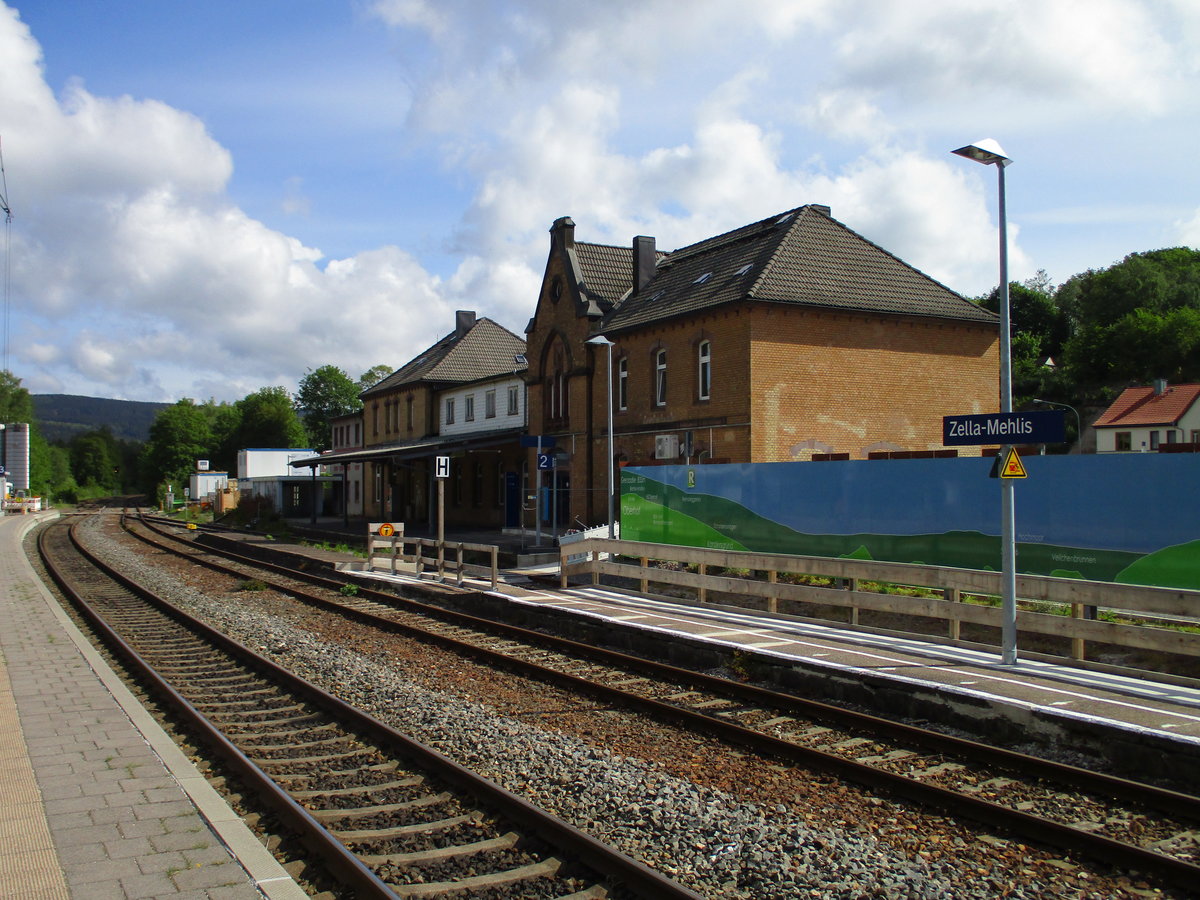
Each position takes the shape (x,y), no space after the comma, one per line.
(1149,418)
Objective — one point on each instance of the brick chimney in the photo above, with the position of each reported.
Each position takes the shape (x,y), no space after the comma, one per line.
(464,321)
(644,260)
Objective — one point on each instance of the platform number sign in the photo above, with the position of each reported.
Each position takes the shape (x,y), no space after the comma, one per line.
(442,467)
(545,461)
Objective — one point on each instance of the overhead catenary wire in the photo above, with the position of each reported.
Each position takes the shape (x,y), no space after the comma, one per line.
(7,255)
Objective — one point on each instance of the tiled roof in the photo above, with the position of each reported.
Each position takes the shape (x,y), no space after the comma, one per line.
(801,257)
(487,350)
(607,271)
(1141,406)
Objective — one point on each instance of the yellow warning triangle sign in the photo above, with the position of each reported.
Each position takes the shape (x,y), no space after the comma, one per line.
(1012,467)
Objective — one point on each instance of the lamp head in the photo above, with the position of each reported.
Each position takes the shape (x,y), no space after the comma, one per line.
(986,151)
(600,341)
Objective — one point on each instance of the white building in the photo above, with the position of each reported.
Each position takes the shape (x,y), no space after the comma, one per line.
(1144,419)
(259,463)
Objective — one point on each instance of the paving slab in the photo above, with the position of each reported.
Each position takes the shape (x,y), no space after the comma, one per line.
(98,801)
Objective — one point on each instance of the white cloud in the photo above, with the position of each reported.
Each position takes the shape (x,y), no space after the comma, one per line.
(1188,231)
(139,275)
(135,276)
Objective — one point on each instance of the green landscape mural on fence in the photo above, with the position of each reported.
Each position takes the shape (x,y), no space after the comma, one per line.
(684,513)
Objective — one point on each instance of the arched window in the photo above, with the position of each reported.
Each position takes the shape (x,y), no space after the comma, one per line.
(704,369)
(660,378)
(555,386)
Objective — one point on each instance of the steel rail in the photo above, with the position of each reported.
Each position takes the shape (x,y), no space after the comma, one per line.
(1162,799)
(642,880)
(992,814)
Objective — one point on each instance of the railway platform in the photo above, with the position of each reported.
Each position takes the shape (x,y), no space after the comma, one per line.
(98,801)
(1145,726)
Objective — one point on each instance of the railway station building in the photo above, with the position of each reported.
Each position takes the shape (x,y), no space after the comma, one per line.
(791,338)
(462,397)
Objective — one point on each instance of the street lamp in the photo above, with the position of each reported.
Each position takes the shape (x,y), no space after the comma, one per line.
(989,153)
(598,341)
(1078,421)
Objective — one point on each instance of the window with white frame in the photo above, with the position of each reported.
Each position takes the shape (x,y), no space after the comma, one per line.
(704,369)
(469,408)
(514,400)
(450,411)
(660,378)
(623,383)
(489,404)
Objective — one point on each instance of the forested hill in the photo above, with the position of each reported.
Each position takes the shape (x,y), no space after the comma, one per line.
(62,416)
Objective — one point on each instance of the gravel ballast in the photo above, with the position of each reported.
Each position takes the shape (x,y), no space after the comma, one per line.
(713,840)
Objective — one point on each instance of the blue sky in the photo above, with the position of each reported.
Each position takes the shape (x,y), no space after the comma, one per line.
(213,198)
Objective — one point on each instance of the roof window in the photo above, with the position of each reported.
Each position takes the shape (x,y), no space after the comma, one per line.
(744,269)
(657,295)
(783,220)
(703,278)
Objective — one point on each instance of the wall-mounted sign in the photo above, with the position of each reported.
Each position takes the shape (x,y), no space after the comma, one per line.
(1037,427)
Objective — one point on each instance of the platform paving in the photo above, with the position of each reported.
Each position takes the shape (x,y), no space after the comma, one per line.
(98,802)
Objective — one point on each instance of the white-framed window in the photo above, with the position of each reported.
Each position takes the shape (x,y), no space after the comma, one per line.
(469,408)
(660,378)
(514,400)
(704,369)
(623,383)
(1154,440)
(450,411)
(489,404)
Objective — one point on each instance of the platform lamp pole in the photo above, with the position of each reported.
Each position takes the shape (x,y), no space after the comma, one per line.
(598,341)
(989,153)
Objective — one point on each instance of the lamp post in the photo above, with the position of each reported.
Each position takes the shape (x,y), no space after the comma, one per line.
(1078,421)
(989,153)
(598,341)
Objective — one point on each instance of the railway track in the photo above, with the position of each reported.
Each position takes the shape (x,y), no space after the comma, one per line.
(385,815)
(1121,822)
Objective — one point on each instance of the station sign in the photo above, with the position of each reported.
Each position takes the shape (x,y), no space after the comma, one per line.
(545,461)
(544,441)
(1034,427)
(441,467)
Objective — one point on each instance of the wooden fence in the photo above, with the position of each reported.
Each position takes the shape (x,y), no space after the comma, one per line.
(752,580)
(398,554)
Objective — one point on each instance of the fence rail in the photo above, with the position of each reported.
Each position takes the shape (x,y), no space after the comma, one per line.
(758,573)
(399,554)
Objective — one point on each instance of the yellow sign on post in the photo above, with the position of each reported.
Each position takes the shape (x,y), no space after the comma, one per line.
(1012,467)
(386,530)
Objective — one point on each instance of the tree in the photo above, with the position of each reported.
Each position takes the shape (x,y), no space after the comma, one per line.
(373,376)
(1038,331)
(180,435)
(324,394)
(268,419)
(1135,321)
(96,460)
(17,406)
(15,403)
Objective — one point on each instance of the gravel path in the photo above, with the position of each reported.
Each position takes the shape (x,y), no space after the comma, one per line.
(740,829)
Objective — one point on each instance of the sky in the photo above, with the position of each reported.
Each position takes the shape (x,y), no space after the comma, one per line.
(209,199)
